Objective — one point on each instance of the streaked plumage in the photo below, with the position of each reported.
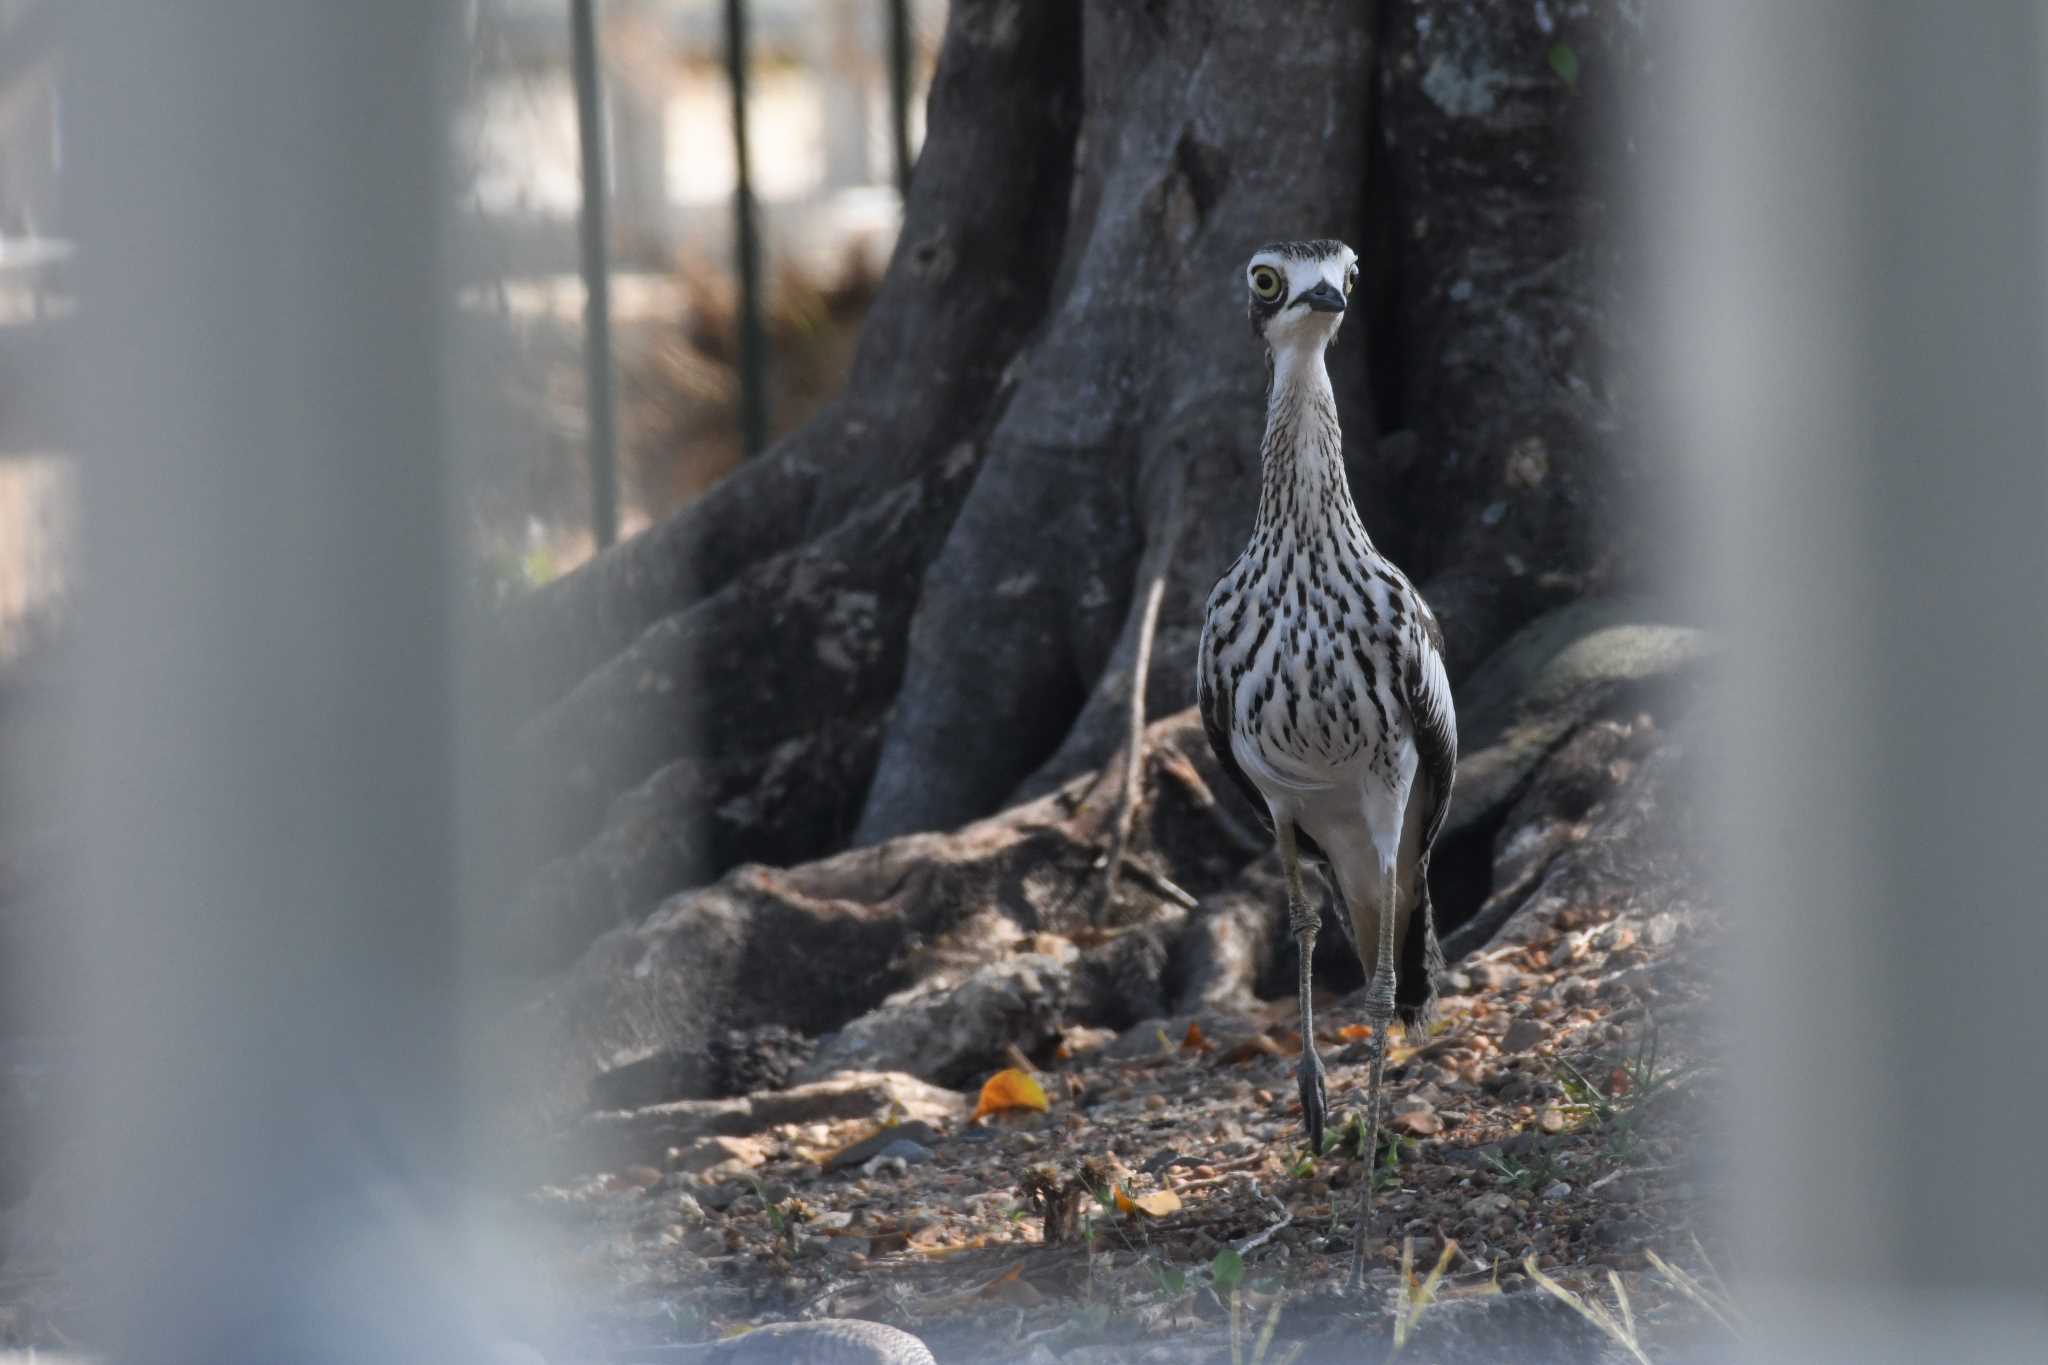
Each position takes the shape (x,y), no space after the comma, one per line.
(1320,673)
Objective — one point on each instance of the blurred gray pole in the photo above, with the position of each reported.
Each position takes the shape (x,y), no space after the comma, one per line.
(599,399)
(899,90)
(263,744)
(1854,346)
(746,239)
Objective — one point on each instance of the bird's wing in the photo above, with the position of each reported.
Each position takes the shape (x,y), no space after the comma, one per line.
(1426,689)
(1212,698)
(1434,720)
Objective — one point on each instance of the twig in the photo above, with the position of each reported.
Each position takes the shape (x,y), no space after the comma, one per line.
(1160,883)
(1134,742)
(1251,1244)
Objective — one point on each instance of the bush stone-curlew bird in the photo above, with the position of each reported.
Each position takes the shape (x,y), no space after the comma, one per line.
(1322,686)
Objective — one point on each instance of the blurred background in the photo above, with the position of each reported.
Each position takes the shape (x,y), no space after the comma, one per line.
(834,100)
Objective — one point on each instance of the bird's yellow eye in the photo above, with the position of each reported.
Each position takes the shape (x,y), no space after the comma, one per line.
(1350,279)
(1266,282)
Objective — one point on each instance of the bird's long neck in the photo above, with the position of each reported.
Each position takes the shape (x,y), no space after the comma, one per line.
(1303,489)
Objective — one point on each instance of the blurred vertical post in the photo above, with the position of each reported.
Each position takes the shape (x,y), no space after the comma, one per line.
(263,714)
(1854,322)
(599,398)
(746,239)
(899,90)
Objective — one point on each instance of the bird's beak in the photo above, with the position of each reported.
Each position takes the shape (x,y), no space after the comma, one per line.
(1324,298)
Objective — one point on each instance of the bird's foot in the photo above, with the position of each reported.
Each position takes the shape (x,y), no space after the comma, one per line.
(1315,1104)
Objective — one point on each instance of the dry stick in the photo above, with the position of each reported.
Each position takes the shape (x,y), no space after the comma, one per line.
(1134,743)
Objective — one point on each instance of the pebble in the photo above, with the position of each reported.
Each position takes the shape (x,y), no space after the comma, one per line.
(1556,1190)
(1487,1205)
(1522,1035)
(906,1150)
(1494,976)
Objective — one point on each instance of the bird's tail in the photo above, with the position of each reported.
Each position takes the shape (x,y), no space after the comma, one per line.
(1421,965)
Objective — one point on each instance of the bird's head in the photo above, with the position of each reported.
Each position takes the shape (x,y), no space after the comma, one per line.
(1297,292)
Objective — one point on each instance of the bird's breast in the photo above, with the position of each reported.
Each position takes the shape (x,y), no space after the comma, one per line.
(1304,658)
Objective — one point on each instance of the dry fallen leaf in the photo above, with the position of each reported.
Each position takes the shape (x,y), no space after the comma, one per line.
(1352,1033)
(1259,1045)
(1194,1041)
(1618,1082)
(1009,1089)
(1157,1204)
(1417,1123)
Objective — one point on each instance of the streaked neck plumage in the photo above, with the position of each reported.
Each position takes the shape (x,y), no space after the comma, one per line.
(1302,487)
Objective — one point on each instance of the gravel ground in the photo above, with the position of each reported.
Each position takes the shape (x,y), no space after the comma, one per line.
(1552,1114)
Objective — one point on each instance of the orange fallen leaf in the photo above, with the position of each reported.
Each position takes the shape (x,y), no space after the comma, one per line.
(1157,1204)
(1351,1033)
(1195,1041)
(1009,1089)
(1618,1082)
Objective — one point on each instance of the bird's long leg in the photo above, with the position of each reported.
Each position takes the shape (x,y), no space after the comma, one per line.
(1303,919)
(1379,1012)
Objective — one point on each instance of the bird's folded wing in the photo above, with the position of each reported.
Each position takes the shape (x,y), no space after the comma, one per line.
(1427,689)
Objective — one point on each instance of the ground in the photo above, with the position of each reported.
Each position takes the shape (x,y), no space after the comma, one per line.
(1552,1114)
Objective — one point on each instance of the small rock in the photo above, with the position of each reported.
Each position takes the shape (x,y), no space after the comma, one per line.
(719,1198)
(889,1165)
(1662,928)
(1551,1120)
(914,1132)
(1455,982)
(903,1149)
(1494,976)
(1621,1231)
(1615,936)
(718,1157)
(1556,1190)
(1523,1034)
(1154,1101)
(1488,1205)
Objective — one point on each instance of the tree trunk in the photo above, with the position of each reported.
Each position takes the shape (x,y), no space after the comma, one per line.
(923,606)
